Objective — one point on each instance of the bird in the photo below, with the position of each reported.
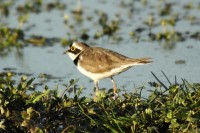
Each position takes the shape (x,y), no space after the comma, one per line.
(98,63)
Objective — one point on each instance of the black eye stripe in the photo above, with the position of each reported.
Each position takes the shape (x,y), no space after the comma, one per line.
(76,51)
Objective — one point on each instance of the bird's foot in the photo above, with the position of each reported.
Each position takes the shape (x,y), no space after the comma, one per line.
(99,95)
(115,96)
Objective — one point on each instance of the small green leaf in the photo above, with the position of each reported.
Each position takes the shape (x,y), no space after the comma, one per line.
(67,103)
(30,82)
(2,126)
(169,114)
(29,111)
(40,96)
(80,91)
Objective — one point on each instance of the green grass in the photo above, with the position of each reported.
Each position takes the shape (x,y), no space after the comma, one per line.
(173,108)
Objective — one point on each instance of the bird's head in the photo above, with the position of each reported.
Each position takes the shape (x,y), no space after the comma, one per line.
(75,49)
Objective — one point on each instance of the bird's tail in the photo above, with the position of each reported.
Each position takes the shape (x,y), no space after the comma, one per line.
(141,61)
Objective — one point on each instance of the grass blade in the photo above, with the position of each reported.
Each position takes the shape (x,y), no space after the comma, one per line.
(159,81)
(82,111)
(166,77)
(176,81)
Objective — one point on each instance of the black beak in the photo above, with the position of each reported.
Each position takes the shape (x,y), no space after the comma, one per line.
(65,52)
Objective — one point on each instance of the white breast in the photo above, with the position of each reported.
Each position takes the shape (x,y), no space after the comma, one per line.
(98,76)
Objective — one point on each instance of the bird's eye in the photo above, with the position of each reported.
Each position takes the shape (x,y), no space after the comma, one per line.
(72,48)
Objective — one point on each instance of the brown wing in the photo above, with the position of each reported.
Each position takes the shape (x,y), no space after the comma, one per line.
(101,60)
(141,61)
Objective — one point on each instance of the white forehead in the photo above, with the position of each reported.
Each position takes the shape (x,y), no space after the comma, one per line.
(77,45)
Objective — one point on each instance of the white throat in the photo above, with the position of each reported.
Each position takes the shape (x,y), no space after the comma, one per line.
(72,56)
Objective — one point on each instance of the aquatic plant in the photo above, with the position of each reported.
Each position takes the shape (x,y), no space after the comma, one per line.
(10,38)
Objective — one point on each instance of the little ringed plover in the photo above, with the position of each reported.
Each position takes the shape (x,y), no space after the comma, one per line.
(99,63)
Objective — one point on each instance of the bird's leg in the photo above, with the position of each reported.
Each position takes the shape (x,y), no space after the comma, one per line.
(95,96)
(114,86)
(96,85)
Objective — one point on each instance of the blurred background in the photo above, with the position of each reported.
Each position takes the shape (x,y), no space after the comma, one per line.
(34,34)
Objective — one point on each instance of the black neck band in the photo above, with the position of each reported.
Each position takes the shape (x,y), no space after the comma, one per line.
(76,60)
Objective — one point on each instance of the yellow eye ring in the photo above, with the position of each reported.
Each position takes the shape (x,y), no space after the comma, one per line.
(72,48)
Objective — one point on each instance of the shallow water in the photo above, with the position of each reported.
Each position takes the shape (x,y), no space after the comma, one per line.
(50,60)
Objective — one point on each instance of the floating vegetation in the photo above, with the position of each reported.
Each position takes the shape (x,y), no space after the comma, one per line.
(166,9)
(180,62)
(42,41)
(4,8)
(10,38)
(159,25)
(37,6)
(108,28)
(30,6)
(173,108)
